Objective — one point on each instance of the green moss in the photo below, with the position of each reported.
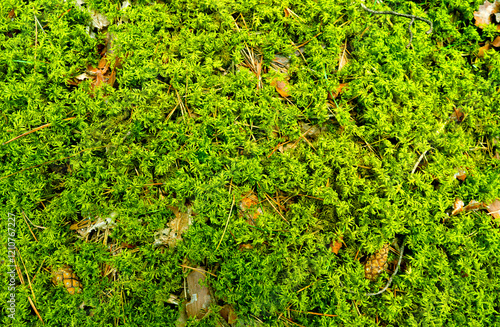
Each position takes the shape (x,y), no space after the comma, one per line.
(353,179)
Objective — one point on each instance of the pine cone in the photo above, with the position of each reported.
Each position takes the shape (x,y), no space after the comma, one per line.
(376,263)
(69,279)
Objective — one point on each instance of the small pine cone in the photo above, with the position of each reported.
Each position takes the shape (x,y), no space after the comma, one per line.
(376,263)
(66,276)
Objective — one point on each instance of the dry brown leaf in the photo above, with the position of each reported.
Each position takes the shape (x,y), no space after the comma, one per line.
(245,246)
(227,312)
(458,206)
(335,247)
(343,58)
(281,87)
(457,115)
(12,13)
(310,131)
(178,226)
(496,41)
(280,64)
(200,295)
(250,209)
(483,16)
(483,49)
(338,91)
(474,205)
(461,174)
(494,209)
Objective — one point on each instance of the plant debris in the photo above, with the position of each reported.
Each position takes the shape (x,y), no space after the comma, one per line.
(171,235)
(68,278)
(485,12)
(250,208)
(376,263)
(200,294)
(335,246)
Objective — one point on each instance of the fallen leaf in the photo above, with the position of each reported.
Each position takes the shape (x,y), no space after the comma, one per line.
(200,295)
(335,247)
(227,312)
(310,131)
(494,209)
(458,206)
(245,246)
(339,90)
(171,235)
(280,64)
(483,16)
(461,174)
(474,205)
(99,20)
(496,41)
(12,13)
(457,115)
(281,87)
(250,209)
(343,58)
(483,49)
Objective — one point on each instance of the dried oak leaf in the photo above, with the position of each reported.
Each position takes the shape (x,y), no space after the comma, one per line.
(458,206)
(494,209)
(200,294)
(483,16)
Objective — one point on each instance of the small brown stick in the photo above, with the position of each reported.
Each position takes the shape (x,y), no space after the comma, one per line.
(267,198)
(412,17)
(41,227)
(34,130)
(34,308)
(24,216)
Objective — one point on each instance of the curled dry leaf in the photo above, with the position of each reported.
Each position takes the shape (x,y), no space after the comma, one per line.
(483,49)
(496,41)
(494,209)
(486,10)
(99,21)
(12,13)
(343,58)
(281,87)
(458,206)
(335,246)
(200,294)
(227,312)
(178,226)
(457,115)
(250,209)
(245,246)
(338,91)
(461,174)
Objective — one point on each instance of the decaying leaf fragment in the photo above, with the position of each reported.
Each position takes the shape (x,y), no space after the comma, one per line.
(178,226)
(494,209)
(250,208)
(458,206)
(461,174)
(486,10)
(343,57)
(335,246)
(200,294)
(281,87)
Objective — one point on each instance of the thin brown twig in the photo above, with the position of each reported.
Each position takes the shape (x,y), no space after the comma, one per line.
(34,130)
(24,216)
(314,313)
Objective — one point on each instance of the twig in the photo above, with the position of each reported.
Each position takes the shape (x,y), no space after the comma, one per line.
(34,130)
(393,274)
(314,313)
(227,223)
(418,161)
(412,17)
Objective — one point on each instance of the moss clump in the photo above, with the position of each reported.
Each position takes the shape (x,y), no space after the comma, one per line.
(187,123)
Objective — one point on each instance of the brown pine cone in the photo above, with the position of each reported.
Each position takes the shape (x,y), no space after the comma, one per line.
(68,278)
(376,263)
